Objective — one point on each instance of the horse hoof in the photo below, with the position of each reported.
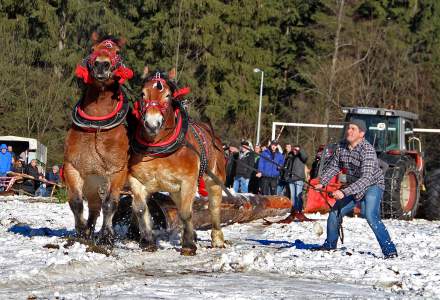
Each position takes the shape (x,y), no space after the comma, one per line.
(105,240)
(147,246)
(188,251)
(217,239)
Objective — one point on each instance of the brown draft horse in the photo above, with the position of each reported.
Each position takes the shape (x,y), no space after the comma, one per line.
(96,146)
(170,153)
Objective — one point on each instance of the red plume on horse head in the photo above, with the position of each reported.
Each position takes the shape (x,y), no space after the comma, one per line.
(104,63)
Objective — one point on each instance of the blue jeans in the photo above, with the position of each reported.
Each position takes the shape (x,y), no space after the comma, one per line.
(370,209)
(242,184)
(281,187)
(41,191)
(296,189)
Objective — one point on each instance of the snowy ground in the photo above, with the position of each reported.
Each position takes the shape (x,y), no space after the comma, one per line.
(262,262)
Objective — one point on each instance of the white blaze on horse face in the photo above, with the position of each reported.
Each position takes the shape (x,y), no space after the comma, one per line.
(153,118)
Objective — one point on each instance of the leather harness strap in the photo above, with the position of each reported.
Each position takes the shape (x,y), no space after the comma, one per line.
(93,124)
(166,148)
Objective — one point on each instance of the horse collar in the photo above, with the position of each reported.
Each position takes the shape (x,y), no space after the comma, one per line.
(109,121)
(163,148)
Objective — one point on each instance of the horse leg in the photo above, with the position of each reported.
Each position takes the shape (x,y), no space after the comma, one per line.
(215,199)
(142,213)
(184,201)
(110,205)
(74,184)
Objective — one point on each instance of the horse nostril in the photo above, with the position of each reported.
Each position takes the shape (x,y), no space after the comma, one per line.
(101,66)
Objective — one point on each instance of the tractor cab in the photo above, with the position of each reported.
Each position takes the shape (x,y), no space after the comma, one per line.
(389,131)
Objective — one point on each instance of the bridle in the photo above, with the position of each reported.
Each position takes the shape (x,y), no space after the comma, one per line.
(147,104)
(142,106)
(117,67)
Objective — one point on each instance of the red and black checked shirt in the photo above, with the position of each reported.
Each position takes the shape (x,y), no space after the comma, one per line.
(362,168)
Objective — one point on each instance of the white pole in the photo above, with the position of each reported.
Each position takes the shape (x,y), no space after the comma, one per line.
(259,109)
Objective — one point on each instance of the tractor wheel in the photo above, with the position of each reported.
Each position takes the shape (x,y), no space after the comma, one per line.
(402,190)
(431,203)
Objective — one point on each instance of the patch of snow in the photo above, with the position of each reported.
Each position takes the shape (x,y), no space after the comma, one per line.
(262,262)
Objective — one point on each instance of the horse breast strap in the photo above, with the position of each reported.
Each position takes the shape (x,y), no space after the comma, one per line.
(91,123)
(167,147)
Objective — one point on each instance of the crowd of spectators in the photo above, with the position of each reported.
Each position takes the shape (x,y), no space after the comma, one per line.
(268,170)
(33,180)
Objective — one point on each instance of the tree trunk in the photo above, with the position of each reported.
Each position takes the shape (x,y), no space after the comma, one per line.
(329,96)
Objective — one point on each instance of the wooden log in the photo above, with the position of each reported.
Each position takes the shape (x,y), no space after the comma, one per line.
(240,208)
(26,176)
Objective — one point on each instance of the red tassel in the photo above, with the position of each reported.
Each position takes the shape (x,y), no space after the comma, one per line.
(202,188)
(83,73)
(123,73)
(136,111)
(181,92)
(61,172)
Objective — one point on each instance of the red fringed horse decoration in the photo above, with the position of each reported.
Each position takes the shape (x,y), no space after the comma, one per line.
(96,147)
(173,153)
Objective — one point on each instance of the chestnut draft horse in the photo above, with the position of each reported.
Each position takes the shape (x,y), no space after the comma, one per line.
(96,146)
(171,153)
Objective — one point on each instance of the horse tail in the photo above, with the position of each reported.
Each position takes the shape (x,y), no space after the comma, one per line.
(96,189)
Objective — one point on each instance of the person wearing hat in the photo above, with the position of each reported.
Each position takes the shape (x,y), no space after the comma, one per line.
(269,165)
(243,168)
(5,160)
(365,184)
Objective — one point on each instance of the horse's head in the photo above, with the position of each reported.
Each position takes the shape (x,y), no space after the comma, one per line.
(156,103)
(104,63)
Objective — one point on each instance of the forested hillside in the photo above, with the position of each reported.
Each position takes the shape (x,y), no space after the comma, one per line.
(316,56)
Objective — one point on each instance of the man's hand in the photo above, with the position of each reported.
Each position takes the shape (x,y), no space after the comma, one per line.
(319,186)
(233,149)
(338,195)
(258,174)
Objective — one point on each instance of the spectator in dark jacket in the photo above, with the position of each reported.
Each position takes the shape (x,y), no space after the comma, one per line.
(231,153)
(254,182)
(30,185)
(271,161)
(53,176)
(295,175)
(244,167)
(282,183)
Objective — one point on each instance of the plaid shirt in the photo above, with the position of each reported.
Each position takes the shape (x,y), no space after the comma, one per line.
(362,168)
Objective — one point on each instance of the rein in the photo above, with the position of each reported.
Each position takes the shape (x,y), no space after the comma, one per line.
(321,191)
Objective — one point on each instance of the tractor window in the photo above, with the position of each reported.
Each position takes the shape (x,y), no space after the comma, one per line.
(383,132)
(409,143)
(392,134)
